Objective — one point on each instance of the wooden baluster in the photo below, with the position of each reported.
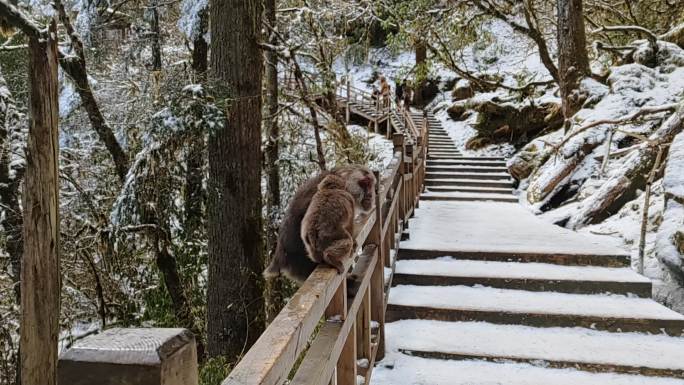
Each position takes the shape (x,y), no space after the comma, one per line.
(377,284)
(411,183)
(398,141)
(347,113)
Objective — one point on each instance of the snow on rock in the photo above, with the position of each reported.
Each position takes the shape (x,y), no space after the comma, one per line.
(670,238)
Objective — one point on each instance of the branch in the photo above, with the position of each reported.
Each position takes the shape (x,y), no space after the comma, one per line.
(625,119)
(652,37)
(16,18)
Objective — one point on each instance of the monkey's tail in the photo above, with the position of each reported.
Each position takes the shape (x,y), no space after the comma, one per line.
(273,269)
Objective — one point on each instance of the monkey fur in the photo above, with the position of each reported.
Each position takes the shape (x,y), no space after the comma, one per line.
(328,225)
(290,256)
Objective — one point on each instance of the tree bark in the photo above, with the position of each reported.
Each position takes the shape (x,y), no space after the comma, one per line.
(200,48)
(421,58)
(156,37)
(275,291)
(40,276)
(621,187)
(573,61)
(235,303)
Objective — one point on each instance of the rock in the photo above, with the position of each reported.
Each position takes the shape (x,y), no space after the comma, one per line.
(457,111)
(525,162)
(462,90)
(507,123)
(477,143)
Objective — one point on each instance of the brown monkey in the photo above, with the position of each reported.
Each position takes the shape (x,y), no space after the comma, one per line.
(328,225)
(290,256)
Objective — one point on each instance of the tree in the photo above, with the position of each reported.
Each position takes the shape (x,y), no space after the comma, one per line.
(235,304)
(275,292)
(573,61)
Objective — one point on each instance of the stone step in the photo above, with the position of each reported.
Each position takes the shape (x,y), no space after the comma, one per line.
(447,271)
(469,175)
(468,197)
(499,169)
(579,348)
(615,313)
(496,190)
(467,182)
(404,369)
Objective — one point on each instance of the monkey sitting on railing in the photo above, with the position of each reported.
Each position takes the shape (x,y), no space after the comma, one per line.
(291,255)
(328,225)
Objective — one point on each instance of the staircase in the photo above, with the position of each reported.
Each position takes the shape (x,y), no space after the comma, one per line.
(452,176)
(484,292)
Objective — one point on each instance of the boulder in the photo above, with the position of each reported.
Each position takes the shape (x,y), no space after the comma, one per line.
(505,122)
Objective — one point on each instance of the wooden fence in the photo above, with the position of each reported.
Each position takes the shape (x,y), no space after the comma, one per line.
(329,333)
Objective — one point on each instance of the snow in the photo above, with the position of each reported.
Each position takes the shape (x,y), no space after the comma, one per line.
(400,369)
(489,299)
(548,344)
(673,180)
(448,266)
(189,21)
(471,226)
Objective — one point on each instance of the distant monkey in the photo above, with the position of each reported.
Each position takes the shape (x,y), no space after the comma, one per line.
(291,256)
(328,225)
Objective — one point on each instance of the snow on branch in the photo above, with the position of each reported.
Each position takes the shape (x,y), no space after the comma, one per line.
(16,18)
(628,28)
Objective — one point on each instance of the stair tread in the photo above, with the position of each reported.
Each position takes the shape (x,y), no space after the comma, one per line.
(405,369)
(448,266)
(504,190)
(468,196)
(579,345)
(489,299)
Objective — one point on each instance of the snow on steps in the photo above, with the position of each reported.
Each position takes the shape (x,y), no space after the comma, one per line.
(399,368)
(467,182)
(447,271)
(494,190)
(438,162)
(585,349)
(502,232)
(467,197)
(610,312)
(470,175)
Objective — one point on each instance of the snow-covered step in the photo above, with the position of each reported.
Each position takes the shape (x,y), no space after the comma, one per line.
(431,181)
(467,197)
(545,309)
(402,369)
(447,162)
(580,348)
(461,168)
(469,175)
(503,232)
(481,158)
(448,271)
(495,190)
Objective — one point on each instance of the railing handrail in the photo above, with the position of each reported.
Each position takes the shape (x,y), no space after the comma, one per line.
(331,349)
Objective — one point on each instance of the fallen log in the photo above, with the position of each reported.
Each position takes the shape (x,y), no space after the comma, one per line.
(622,186)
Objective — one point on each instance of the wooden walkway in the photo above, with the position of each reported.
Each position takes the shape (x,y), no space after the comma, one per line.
(486,293)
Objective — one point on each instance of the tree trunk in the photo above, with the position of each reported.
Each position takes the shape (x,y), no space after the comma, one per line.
(200,48)
(421,58)
(621,187)
(156,37)
(573,61)
(75,67)
(235,303)
(40,277)
(275,291)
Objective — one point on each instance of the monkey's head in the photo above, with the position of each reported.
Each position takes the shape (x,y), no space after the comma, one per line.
(360,182)
(332,182)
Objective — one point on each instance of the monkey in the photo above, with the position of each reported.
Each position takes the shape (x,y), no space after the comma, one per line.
(290,256)
(328,225)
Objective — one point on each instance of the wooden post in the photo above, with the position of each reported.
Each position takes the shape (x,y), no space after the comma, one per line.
(347,113)
(412,183)
(398,141)
(144,356)
(40,276)
(377,284)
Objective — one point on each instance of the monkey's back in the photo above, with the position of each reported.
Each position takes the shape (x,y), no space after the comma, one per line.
(330,217)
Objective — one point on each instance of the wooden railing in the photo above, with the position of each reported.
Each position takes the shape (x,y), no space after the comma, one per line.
(327,328)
